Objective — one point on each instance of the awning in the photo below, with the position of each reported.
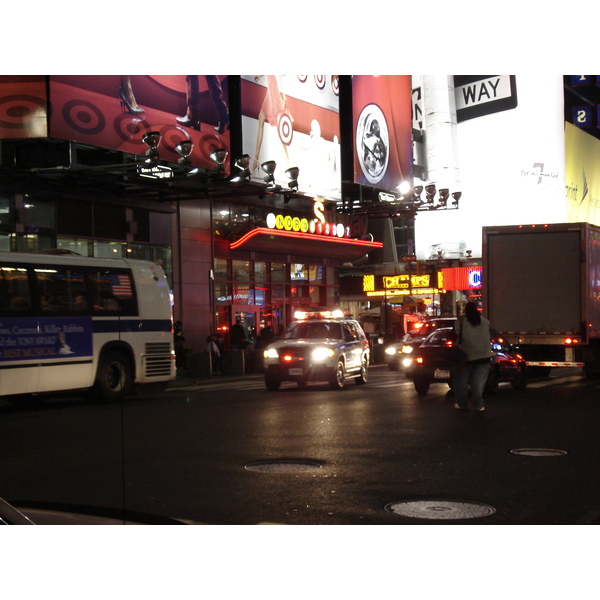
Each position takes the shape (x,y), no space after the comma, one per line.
(263,239)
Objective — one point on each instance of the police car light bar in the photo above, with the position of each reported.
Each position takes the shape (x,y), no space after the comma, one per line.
(319,313)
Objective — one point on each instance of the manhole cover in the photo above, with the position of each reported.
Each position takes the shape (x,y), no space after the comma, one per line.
(283,466)
(440,509)
(538,452)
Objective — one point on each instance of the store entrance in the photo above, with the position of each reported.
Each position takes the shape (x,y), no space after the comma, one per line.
(255,318)
(249,319)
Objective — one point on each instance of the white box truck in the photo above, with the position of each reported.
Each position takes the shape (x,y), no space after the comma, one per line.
(541,291)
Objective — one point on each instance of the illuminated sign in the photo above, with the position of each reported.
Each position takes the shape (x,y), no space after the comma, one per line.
(400,285)
(406,281)
(461,278)
(156,172)
(317,225)
(474,278)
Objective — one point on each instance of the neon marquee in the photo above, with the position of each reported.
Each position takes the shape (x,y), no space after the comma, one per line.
(317,225)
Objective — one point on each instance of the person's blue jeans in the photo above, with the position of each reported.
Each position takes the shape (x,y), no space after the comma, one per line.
(473,374)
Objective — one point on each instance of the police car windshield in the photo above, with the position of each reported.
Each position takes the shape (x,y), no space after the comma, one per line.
(314,330)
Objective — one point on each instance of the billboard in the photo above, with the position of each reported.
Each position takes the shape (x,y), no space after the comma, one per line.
(512,166)
(382,126)
(581,176)
(23,107)
(294,120)
(115,111)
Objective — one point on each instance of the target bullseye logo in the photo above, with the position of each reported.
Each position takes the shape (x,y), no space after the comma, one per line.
(207,144)
(83,117)
(131,129)
(18,110)
(284,128)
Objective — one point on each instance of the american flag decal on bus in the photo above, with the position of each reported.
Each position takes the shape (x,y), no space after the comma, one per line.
(121,285)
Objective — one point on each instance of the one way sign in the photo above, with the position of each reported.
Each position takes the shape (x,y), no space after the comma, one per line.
(478,95)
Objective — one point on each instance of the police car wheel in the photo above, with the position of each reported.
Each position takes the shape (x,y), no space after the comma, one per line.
(272,383)
(339,375)
(364,372)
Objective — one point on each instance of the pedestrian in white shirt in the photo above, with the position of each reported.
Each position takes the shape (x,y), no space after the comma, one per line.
(473,332)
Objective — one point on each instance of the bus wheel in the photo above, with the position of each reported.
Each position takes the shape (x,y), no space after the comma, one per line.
(114,378)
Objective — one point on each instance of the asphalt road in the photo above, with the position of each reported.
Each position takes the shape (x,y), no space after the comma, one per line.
(228,452)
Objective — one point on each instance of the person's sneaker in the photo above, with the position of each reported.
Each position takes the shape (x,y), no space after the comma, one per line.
(459,407)
(480,409)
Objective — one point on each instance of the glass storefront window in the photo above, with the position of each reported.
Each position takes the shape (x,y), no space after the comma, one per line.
(316,273)
(278,271)
(299,273)
(4,211)
(274,287)
(277,294)
(222,292)
(83,247)
(39,215)
(315,295)
(34,243)
(241,270)
(221,272)
(260,271)
(109,249)
(241,294)
(5,243)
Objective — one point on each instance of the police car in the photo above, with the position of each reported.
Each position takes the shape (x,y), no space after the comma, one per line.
(319,345)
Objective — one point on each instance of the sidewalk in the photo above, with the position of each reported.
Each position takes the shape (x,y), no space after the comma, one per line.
(183,380)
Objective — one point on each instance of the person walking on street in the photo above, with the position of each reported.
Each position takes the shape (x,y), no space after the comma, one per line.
(473,331)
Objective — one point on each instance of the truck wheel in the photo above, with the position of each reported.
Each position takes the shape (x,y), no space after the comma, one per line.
(337,380)
(421,385)
(272,383)
(364,372)
(114,378)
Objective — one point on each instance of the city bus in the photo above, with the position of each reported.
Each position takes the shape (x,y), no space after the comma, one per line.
(70,323)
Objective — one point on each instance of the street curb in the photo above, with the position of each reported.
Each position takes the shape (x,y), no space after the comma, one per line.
(185,381)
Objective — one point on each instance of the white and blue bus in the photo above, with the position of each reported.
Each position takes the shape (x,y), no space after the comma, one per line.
(76,323)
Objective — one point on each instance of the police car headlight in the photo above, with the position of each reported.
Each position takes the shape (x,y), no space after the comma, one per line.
(407,349)
(390,350)
(271,353)
(407,363)
(322,353)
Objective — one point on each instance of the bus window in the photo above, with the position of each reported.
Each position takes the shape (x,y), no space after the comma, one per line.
(113,292)
(61,289)
(15,295)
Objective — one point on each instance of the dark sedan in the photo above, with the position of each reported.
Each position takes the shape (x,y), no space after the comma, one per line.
(432,363)
(397,352)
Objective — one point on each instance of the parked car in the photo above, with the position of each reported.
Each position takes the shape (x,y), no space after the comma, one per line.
(395,353)
(432,363)
(321,345)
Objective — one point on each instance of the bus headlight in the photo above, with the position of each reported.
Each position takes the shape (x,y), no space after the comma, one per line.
(271,353)
(322,353)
